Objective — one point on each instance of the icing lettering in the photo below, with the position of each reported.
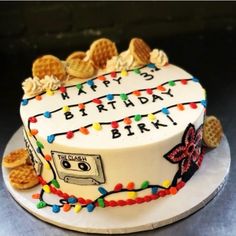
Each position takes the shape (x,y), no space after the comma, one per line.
(157,124)
(115,133)
(93,87)
(83,112)
(168,93)
(143,100)
(101,108)
(65,96)
(81,91)
(142,127)
(128,128)
(112,104)
(106,82)
(118,80)
(147,76)
(155,97)
(128,103)
(68,115)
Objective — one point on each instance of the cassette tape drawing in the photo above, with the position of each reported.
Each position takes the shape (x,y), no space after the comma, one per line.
(35,160)
(81,169)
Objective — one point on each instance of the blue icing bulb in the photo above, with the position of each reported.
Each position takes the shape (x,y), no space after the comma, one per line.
(24,102)
(72,200)
(151,65)
(165,111)
(47,114)
(195,79)
(110,97)
(38,150)
(90,207)
(204,103)
(102,190)
(154,190)
(51,138)
(90,82)
(55,208)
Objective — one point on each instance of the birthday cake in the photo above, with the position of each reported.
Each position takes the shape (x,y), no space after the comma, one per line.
(125,130)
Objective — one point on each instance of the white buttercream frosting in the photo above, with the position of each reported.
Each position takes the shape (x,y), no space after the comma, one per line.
(123,61)
(158,57)
(32,86)
(50,82)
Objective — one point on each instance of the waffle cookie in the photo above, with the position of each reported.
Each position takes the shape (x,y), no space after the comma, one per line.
(80,69)
(15,158)
(48,65)
(101,51)
(140,51)
(212,131)
(23,177)
(76,55)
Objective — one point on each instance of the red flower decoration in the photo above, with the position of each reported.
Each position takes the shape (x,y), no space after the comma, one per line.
(188,151)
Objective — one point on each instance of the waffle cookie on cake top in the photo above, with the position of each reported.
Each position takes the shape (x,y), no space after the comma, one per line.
(113,129)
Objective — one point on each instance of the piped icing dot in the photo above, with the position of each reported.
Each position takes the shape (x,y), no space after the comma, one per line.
(66,207)
(47,114)
(149,91)
(47,166)
(118,187)
(110,97)
(136,70)
(171,83)
(123,96)
(72,200)
(46,188)
(127,121)
(90,82)
(144,184)
(124,73)
(136,93)
(55,208)
(97,126)
(55,183)
(39,144)
(132,195)
(81,106)
(70,134)
(97,101)
(166,183)
(34,132)
(48,157)
(50,138)
(184,81)
(161,88)
(113,74)
(165,111)
(102,190)
(151,117)
(49,92)
(114,124)
(84,130)
(101,202)
(195,79)
(204,103)
(62,89)
(180,107)
(24,102)
(193,105)
(41,204)
(154,190)
(151,65)
(32,119)
(65,109)
(79,86)
(90,207)
(36,196)
(130,186)
(137,117)
(77,208)
(102,78)
(38,97)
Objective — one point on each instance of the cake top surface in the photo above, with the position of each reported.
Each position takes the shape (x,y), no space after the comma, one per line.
(115,110)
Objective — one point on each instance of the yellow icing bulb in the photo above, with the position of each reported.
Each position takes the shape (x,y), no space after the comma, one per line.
(132,195)
(47,166)
(151,117)
(46,188)
(124,73)
(77,208)
(49,92)
(166,183)
(65,109)
(97,126)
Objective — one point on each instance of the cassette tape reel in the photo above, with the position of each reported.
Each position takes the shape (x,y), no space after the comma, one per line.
(81,169)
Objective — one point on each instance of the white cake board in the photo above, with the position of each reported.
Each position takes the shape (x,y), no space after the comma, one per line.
(202,187)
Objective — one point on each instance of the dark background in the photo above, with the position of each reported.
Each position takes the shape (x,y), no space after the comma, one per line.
(198,36)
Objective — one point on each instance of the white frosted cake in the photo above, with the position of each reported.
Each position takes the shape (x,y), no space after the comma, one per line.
(116,139)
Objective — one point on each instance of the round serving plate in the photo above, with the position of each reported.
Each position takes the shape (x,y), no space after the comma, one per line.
(202,187)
